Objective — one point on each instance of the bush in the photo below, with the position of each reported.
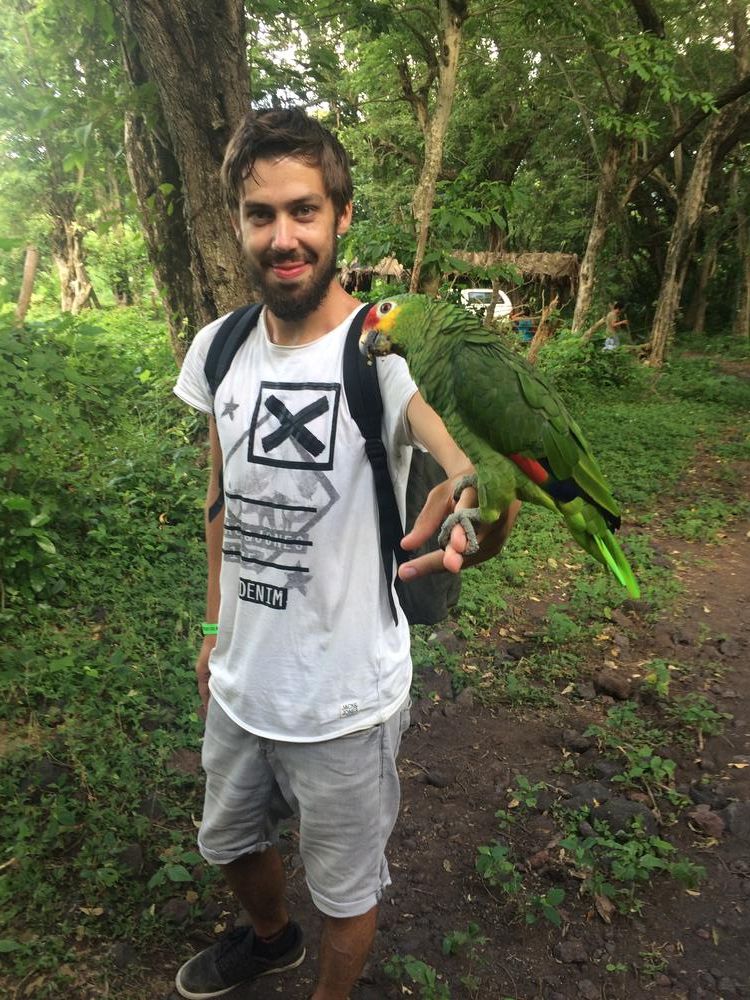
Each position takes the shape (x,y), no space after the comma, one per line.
(570,364)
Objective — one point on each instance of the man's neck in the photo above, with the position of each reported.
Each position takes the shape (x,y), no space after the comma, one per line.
(334,309)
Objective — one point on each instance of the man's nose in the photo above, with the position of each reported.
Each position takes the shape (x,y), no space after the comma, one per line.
(284,234)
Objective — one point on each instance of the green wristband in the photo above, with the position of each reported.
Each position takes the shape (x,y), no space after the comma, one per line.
(208,629)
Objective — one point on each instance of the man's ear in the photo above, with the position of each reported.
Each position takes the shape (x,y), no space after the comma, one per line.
(344,220)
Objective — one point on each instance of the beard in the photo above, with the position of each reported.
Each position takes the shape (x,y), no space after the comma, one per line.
(290,303)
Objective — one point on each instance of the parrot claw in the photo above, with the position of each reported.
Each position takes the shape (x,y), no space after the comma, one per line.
(467,519)
(463,484)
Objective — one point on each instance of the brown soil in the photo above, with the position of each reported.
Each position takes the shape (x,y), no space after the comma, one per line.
(457,762)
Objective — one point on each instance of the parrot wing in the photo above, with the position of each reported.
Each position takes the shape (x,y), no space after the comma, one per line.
(513,408)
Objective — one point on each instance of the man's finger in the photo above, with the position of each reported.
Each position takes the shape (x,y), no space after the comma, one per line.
(433,562)
(430,518)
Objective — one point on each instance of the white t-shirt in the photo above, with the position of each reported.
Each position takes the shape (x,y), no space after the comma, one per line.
(307,647)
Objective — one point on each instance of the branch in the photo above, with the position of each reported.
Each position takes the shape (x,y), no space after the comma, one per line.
(648,18)
(581,107)
(731,94)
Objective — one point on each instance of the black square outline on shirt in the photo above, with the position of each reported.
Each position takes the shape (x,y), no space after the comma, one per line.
(263,459)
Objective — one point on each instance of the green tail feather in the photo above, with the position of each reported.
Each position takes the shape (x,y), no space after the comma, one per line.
(614,557)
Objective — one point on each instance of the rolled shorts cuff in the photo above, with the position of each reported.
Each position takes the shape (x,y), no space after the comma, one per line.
(227,857)
(356,908)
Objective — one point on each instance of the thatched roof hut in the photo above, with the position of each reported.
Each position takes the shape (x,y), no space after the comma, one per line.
(356,277)
(557,271)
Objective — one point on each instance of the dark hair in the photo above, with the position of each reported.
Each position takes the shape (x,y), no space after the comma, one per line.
(285,132)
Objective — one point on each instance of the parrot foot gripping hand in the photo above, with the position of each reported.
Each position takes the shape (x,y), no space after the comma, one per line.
(466,518)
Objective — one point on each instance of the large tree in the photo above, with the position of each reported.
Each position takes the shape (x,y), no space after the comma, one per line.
(189,57)
(618,140)
(726,129)
(57,117)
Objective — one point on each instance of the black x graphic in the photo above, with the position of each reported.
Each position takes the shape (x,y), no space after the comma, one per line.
(293,425)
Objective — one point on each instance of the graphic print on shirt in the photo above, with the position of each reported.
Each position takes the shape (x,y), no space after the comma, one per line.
(290,448)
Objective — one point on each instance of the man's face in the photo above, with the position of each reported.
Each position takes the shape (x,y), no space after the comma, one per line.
(287,227)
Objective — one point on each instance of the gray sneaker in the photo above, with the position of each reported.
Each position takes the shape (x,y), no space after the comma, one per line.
(232,961)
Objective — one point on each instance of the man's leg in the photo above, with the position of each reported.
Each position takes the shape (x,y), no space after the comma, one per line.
(344,947)
(241,809)
(258,881)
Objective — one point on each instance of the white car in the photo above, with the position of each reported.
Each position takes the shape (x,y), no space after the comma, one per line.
(477,299)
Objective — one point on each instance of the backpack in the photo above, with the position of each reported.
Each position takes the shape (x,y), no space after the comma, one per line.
(426,600)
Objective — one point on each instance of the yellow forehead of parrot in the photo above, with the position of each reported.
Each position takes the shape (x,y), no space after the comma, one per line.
(386,313)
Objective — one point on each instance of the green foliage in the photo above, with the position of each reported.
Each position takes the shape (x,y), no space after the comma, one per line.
(406,967)
(646,768)
(624,729)
(704,520)
(657,677)
(98,696)
(560,628)
(696,713)
(494,865)
(525,793)
(570,363)
(616,865)
(471,938)
(118,257)
(546,906)
(691,378)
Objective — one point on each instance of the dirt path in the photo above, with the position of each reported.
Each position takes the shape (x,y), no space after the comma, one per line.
(459,761)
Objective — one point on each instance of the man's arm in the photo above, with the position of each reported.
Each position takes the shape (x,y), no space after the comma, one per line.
(214,527)
(430,431)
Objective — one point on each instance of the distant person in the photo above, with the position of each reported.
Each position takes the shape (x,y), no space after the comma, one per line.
(616,326)
(523,324)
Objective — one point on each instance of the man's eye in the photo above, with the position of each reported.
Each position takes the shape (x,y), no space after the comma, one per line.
(305,211)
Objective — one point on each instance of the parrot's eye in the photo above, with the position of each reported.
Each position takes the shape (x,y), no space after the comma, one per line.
(384,308)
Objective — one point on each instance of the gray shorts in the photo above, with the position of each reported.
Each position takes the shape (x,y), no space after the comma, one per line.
(345,792)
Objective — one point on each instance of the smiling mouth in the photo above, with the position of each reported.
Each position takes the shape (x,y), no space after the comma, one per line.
(289,270)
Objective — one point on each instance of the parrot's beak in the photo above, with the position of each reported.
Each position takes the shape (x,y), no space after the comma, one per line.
(374,343)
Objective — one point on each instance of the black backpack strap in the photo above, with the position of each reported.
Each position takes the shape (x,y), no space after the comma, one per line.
(366,407)
(228,339)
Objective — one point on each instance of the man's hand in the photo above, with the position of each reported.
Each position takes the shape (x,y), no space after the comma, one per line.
(439,504)
(202,671)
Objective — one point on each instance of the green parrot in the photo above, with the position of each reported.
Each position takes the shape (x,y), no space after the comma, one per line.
(506,417)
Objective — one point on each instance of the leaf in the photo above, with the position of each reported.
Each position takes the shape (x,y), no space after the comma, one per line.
(604,907)
(7,945)
(178,873)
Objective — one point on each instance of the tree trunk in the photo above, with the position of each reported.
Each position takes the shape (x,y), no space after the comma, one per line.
(452,16)
(741,33)
(544,331)
(689,211)
(27,284)
(156,182)
(194,53)
(603,212)
(741,326)
(695,315)
(606,198)
(76,290)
